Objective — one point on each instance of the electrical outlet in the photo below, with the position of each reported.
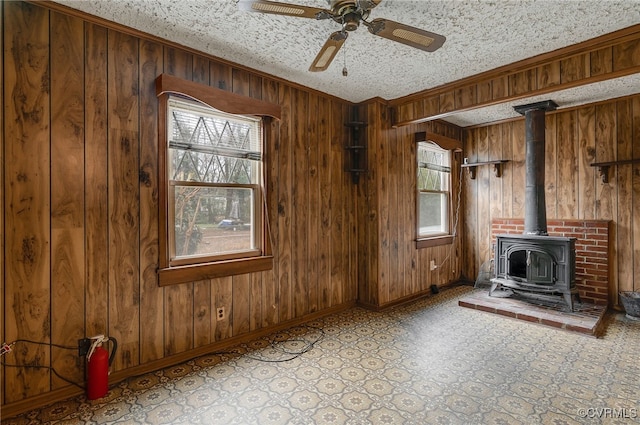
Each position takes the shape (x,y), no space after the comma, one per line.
(220,313)
(84,345)
(432,265)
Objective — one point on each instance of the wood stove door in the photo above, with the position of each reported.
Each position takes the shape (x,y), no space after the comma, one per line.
(540,267)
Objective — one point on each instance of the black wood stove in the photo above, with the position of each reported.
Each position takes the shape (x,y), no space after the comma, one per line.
(534,263)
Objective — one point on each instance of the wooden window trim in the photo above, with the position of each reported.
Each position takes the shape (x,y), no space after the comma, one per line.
(438,238)
(434,241)
(227,102)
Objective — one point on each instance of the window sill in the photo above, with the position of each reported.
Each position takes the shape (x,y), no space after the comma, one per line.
(434,241)
(195,272)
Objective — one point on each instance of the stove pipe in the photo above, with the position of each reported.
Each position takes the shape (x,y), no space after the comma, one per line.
(535,210)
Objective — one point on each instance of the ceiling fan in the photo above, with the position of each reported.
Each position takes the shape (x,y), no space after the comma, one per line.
(350,14)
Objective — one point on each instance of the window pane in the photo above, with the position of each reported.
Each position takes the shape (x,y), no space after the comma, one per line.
(187,165)
(433,213)
(433,167)
(213,221)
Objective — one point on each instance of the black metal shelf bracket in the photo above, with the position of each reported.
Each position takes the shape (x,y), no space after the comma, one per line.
(603,167)
(497,167)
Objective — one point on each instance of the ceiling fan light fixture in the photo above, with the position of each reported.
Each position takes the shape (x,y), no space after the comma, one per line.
(420,39)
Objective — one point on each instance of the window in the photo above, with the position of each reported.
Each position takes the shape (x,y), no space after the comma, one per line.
(212,196)
(214,184)
(434,182)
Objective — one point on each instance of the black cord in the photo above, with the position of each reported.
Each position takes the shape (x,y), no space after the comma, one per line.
(293,354)
(66,347)
(45,367)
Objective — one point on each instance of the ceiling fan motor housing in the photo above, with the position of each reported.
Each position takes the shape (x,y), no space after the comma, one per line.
(350,21)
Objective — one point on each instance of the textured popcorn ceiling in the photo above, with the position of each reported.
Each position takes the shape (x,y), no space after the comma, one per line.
(481,35)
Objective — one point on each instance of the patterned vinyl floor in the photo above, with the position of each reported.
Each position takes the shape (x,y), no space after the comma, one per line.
(431,362)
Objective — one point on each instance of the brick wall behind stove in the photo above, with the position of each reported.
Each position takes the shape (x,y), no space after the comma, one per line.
(592,251)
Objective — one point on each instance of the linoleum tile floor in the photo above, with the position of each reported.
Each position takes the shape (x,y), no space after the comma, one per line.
(430,362)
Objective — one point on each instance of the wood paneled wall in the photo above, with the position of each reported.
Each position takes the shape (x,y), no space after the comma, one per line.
(80,204)
(575,138)
(391,268)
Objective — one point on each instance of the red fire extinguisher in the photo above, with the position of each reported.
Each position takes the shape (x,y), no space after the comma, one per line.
(98,362)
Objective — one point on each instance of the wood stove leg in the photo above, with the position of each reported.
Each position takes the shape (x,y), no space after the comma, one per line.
(569,299)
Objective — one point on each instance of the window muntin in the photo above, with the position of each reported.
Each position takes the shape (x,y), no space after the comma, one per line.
(434,182)
(214,175)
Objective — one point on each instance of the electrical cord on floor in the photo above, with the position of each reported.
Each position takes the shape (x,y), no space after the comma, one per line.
(290,355)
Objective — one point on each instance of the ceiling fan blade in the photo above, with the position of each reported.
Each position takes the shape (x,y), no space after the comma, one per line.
(405,34)
(277,8)
(328,51)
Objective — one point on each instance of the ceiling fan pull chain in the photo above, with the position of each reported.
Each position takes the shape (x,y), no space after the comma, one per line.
(344,56)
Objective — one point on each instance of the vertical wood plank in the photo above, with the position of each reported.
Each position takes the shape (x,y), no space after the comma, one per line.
(409,218)
(548,75)
(518,167)
(270,283)
(178,307)
(240,81)
(500,87)
(551,151)
(447,102)
(635,207)
(96,182)
(624,196)
(586,156)
(601,61)
(626,55)
(575,68)
(2,209)
(470,209)
(27,214)
(123,152)
(606,205)
(151,295)
(494,137)
(484,213)
(431,106)
(522,82)
(300,202)
(202,308)
(605,151)
(324,172)
(465,97)
(339,190)
(255,87)
(285,209)
(397,286)
(313,203)
(222,288)
(382,204)
(241,299)
(567,202)
(256,301)
(507,170)
(220,76)
(483,91)
(67,190)
(179,319)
